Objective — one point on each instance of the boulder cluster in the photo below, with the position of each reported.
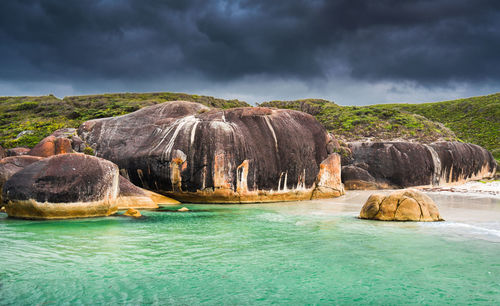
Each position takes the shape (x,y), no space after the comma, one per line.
(184,151)
(60,183)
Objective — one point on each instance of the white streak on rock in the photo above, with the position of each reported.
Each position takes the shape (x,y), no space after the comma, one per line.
(193,132)
(266,118)
(436,176)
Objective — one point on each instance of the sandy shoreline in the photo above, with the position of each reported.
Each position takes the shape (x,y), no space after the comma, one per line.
(475,188)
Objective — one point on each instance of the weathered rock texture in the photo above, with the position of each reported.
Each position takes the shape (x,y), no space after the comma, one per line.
(3,153)
(52,145)
(63,186)
(196,154)
(18,151)
(403,164)
(131,196)
(13,164)
(402,205)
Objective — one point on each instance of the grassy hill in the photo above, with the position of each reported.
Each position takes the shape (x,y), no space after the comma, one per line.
(375,122)
(38,117)
(475,120)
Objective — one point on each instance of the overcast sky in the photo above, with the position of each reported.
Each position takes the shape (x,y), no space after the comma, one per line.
(350,52)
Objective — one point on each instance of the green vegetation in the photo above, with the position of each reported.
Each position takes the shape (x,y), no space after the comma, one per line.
(38,117)
(89,151)
(475,120)
(376,122)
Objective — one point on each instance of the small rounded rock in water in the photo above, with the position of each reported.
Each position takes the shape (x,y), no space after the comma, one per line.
(132,213)
(402,205)
(183,209)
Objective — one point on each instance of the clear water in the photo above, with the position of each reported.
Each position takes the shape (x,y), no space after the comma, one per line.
(296,253)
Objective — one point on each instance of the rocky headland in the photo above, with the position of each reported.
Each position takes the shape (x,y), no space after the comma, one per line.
(193,152)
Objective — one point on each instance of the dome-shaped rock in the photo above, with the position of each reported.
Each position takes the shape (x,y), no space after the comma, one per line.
(377,165)
(196,154)
(63,186)
(402,205)
(13,164)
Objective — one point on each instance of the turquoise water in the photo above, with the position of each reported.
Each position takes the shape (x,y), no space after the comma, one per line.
(297,253)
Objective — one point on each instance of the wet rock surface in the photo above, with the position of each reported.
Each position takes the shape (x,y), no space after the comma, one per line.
(132,213)
(402,205)
(381,165)
(196,154)
(63,186)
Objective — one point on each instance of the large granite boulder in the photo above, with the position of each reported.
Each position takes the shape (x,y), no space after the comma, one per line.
(401,205)
(131,196)
(196,154)
(13,164)
(377,165)
(63,186)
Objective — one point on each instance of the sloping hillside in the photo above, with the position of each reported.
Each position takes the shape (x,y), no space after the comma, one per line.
(374,122)
(24,121)
(475,119)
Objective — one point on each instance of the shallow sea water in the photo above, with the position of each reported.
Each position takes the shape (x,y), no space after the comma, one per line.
(314,252)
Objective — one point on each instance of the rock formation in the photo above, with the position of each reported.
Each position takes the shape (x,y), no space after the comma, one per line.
(403,164)
(196,154)
(18,151)
(401,205)
(13,164)
(131,196)
(3,153)
(63,186)
(132,213)
(52,145)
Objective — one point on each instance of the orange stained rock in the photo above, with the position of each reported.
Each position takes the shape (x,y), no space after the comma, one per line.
(241,177)
(220,172)
(328,181)
(50,146)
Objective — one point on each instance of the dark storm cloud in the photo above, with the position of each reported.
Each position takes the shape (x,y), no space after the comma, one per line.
(421,41)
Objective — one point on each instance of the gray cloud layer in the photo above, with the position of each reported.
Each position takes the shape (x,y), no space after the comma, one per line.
(208,45)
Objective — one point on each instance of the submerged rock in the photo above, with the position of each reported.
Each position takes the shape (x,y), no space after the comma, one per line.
(380,165)
(132,213)
(402,205)
(196,154)
(131,196)
(63,186)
